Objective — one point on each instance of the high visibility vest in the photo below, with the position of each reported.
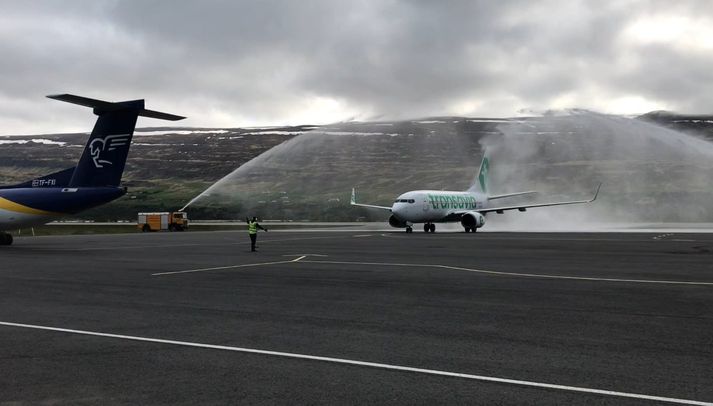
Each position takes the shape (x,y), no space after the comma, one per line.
(252,227)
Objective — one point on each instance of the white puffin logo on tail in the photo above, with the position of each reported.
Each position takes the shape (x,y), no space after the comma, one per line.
(108,143)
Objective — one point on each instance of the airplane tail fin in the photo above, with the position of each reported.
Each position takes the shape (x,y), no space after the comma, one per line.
(102,162)
(480,183)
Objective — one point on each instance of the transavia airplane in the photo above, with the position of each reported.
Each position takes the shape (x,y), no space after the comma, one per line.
(93,182)
(469,207)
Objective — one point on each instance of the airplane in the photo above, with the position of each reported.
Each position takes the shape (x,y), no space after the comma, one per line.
(94,181)
(467,207)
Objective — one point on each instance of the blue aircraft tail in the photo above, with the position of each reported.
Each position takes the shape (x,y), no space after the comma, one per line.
(102,162)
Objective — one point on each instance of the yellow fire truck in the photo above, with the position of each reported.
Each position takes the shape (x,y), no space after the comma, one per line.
(163,221)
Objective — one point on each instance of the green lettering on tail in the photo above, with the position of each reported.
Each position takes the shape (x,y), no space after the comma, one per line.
(483,175)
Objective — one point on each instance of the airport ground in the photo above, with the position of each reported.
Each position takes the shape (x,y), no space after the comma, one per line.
(355,317)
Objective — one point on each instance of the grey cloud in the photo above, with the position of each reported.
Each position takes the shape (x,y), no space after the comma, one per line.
(263,61)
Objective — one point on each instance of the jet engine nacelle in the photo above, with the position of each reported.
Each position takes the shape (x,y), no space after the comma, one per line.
(397,222)
(472,219)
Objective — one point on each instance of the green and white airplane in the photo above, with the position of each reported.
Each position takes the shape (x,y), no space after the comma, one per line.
(469,207)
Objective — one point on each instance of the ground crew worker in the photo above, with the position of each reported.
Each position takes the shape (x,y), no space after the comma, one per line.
(252,230)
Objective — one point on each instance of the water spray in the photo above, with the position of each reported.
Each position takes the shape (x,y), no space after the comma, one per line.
(652,173)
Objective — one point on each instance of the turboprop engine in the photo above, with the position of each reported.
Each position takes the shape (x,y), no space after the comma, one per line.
(397,222)
(472,219)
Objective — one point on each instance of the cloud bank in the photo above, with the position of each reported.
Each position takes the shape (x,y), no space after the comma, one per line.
(251,63)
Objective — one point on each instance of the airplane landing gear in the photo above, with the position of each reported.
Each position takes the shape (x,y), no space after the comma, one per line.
(409,230)
(429,228)
(470,229)
(5,239)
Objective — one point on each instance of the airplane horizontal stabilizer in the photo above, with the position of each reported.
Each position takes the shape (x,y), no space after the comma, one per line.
(101,106)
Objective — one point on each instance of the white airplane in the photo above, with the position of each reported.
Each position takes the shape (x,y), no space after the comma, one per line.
(469,207)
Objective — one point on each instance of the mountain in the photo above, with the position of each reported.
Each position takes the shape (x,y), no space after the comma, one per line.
(699,124)
(166,166)
(311,172)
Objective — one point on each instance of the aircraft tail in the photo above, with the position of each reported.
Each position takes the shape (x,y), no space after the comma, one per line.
(104,157)
(480,183)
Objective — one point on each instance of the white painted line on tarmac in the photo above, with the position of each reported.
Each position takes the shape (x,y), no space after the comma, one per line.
(517,274)
(584,278)
(377,365)
(219,268)
(438,266)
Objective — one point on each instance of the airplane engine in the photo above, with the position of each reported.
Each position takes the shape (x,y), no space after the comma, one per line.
(397,222)
(472,219)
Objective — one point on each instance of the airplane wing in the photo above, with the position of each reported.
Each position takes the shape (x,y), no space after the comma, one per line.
(529,192)
(354,203)
(529,206)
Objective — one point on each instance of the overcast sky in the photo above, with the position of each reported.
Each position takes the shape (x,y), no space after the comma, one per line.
(251,63)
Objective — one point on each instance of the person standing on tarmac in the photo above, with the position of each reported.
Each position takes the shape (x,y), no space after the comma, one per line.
(252,230)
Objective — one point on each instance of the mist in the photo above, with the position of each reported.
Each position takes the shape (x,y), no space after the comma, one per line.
(650,174)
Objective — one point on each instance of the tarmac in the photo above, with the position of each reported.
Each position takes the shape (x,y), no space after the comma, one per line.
(357,317)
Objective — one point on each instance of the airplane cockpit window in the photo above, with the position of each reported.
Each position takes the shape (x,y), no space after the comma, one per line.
(411,201)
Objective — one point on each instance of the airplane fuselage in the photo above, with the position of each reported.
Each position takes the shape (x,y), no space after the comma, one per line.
(434,206)
(27,207)
(469,207)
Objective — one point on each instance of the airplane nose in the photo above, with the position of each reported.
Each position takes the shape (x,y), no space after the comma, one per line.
(398,210)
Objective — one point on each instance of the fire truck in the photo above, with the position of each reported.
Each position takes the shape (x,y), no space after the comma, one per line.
(163,221)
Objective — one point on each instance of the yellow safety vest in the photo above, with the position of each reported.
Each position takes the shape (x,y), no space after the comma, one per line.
(252,227)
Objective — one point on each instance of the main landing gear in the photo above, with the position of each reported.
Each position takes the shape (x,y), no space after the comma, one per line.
(429,228)
(5,239)
(409,230)
(470,229)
